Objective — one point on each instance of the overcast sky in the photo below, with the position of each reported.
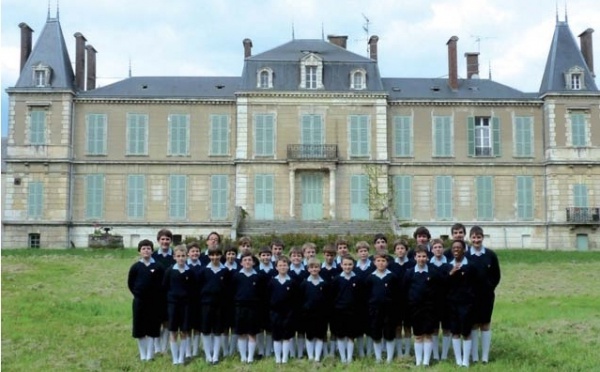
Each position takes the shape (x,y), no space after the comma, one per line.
(204,37)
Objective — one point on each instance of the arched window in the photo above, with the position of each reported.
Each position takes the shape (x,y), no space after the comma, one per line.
(358,79)
(264,78)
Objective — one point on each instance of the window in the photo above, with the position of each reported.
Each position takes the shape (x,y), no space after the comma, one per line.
(574,78)
(523,136)
(35,199)
(265,78)
(359,135)
(442,136)
(137,134)
(359,197)
(403,136)
(96,134)
(219,197)
(358,79)
(312,136)
(524,198)
(576,81)
(443,193)
(263,196)
(580,195)
(179,134)
(264,135)
(41,75)
(578,129)
(40,78)
(483,134)
(37,127)
(311,77)
(34,240)
(485,198)
(311,72)
(136,195)
(403,197)
(177,196)
(219,135)
(94,196)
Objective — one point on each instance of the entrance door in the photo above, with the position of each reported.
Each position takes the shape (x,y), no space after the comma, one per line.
(582,242)
(312,196)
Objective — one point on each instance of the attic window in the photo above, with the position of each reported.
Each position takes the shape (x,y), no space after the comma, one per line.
(358,79)
(396,89)
(219,86)
(311,72)
(264,78)
(574,78)
(144,86)
(41,75)
(474,89)
(435,88)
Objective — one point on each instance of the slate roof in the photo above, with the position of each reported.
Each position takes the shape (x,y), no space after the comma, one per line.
(564,54)
(218,87)
(51,50)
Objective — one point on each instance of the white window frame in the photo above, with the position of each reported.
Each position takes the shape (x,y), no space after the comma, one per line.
(358,79)
(311,72)
(263,83)
(41,75)
(575,78)
(484,140)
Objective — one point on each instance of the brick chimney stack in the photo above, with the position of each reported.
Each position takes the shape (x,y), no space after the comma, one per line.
(340,41)
(373,47)
(585,42)
(472,65)
(247,48)
(26,44)
(79,61)
(91,67)
(452,63)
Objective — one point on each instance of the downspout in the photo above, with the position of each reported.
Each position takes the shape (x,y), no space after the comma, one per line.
(544,147)
(70,243)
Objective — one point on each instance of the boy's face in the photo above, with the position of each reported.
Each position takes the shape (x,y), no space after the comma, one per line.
(362,253)
(347,265)
(438,250)
(230,256)
(245,247)
(458,234)
(421,258)
(180,258)
(194,253)
(314,270)
(247,262)
(342,249)
(329,257)
(400,251)
(164,242)
(422,239)
(457,251)
(380,245)
(276,249)
(381,264)
(309,253)
(282,267)
(265,258)
(215,258)
(296,258)
(212,241)
(145,252)
(476,240)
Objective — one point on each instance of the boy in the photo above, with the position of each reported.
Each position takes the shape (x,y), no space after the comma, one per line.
(400,266)
(381,246)
(277,247)
(163,256)
(266,269)
(283,293)
(329,269)
(145,276)
(458,231)
(341,246)
(229,340)
(422,237)
(487,269)
(364,267)
(345,291)
(309,250)
(213,281)
(247,291)
(231,262)
(441,307)
(245,245)
(460,301)
(382,289)
(265,265)
(213,239)
(296,269)
(178,283)
(420,283)
(315,299)
(193,262)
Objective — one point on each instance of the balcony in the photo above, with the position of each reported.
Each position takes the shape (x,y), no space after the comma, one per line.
(583,216)
(312,152)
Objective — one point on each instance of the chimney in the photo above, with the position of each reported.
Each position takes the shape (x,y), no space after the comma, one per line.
(452,63)
(472,65)
(79,61)
(340,41)
(373,47)
(91,67)
(585,40)
(26,32)
(247,48)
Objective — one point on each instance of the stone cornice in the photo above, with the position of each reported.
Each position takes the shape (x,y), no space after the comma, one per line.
(312,94)
(160,101)
(466,102)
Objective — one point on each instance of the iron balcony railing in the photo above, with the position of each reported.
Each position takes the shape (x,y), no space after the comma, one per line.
(312,152)
(583,215)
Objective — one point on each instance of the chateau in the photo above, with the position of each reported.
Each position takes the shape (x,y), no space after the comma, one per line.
(309,135)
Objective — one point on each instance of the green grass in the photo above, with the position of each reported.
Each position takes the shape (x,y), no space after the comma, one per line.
(70,310)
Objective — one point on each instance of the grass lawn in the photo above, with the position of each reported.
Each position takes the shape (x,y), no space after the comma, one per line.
(70,310)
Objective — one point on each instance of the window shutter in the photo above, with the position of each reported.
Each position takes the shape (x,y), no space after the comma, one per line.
(471,135)
(218,197)
(35,199)
(496,136)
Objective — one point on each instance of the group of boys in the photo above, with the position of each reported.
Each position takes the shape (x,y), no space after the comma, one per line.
(271,304)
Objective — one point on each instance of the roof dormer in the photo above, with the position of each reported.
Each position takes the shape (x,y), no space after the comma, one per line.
(311,71)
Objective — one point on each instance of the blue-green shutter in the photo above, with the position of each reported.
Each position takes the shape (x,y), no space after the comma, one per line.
(359,135)
(523,136)
(443,197)
(264,135)
(94,200)
(359,197)
(96,134)
(485,197)
(219,197)
(578,130)
(136,195)
(219,144)
(580,195)
(471,135)
(403,136)
(496,136)
(178,134)
(35,199)
(403,197)
(137,127)
(37,132)
(263,196)
(177,196)
(524,197)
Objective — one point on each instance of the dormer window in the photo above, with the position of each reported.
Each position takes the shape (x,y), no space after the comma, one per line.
(265,78)
(358,79)
(574,78)
(41,75)
(311,72)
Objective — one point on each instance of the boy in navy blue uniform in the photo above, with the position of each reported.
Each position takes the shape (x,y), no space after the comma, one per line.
(144,277)
(231,261)
(329,268)
(460,300)
(458,231)
(213,240)
(277,247)
(179,284)
(487,269)
(399,267)
(214,282)
(195,266)
(422,237)
(363,268)
(266,269)
(163,256)
(342,248)
(346,290)
(440,262)
(315,306)
(229,339)
(283,294)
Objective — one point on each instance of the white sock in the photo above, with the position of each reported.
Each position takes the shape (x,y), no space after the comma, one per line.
(142,347)
(225,344)
(341,344)
(466,352)
(349,349)
(445,347)
(216,347)
(475,345)
(207,345)
(318,350)
(175,352)
(419,353)
(361,346)
(435,347)
(243,348)
(427,346)
(486,341)
(251,349)
(260,343)
(407,345)
(332,347)
(456,346)
(156,343)
(285,350)
(149,348)
(378,347)
(310,349)
(232,343)
(268,345)
(164,340)
(183,347)
(389,349)
(300,341)
(195,344)
(277,348)
(398,342)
